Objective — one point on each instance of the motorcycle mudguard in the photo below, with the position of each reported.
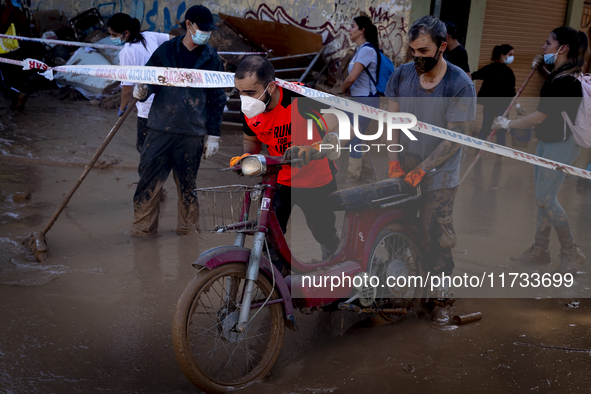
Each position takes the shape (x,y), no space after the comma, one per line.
(219,255)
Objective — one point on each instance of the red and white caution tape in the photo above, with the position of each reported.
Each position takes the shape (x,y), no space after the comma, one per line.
(242,53)
(180,77)
(60,42)
(216,79)
(100,46)
(439,132)
(10,61)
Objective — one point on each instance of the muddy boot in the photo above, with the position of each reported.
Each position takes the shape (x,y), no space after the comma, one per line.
(570,260)
(441,314)
(535,254)
(329,249)
(354,169)
(277,262)
(441,304)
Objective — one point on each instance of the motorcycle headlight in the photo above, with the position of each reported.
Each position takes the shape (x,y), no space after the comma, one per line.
(254,165)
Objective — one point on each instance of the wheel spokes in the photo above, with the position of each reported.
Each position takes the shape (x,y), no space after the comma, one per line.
(221,352)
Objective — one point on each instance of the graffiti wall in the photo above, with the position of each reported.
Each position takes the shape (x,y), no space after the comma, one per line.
(329,18)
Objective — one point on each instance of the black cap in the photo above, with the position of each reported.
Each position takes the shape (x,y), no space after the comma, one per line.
(202,17)
(452,30)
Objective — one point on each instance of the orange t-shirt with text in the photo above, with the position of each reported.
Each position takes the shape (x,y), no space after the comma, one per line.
(285,126)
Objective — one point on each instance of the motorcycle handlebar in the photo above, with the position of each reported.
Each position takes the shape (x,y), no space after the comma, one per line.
(271,161)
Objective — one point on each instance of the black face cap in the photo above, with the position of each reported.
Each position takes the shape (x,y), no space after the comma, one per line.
(202,17)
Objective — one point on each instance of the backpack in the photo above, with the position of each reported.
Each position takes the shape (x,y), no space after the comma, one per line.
(384,70)
(582,128)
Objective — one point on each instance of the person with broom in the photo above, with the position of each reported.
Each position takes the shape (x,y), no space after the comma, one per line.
(567,50)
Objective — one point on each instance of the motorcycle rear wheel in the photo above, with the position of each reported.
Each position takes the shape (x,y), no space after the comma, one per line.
(394,242)
(212,356)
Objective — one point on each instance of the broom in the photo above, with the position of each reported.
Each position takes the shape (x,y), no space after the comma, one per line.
(530,75)
(36,242)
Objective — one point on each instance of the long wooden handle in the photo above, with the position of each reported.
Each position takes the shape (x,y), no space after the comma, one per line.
(530,75)
(89,166)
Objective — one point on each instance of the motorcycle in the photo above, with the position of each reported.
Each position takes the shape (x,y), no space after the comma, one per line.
(230,320)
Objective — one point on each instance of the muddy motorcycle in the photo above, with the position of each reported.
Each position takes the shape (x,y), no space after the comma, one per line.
(229,323)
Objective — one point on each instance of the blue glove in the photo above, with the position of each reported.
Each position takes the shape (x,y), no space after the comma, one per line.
(122,112)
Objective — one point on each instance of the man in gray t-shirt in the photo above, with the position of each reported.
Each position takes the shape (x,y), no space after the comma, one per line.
(440,94)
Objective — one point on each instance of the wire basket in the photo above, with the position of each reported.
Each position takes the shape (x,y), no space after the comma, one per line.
(220,207)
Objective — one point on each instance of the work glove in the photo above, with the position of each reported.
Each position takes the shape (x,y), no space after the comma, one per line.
(236,159)
(394,169)
(414,177)
(537,61)
(304,152)
(140,91)
(520,110)
(122,112)
(212,145)
(500,123)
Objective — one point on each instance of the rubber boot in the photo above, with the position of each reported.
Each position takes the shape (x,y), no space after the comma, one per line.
(329,249)
(354,168)
(277,262)
(535,254)
(441,314)
(570,260)
(442,301)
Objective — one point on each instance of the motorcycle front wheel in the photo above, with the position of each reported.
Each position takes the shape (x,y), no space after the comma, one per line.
(211,354)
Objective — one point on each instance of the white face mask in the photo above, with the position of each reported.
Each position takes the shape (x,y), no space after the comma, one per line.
(252,107)
(509,60)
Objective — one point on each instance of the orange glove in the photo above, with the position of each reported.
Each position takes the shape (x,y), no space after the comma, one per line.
(234,160)
(414,177)
(395,171)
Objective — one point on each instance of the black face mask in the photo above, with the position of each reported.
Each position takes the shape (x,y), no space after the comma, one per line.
(425,64)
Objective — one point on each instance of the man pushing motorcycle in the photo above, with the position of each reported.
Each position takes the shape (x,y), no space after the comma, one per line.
(274,116)
(441,94)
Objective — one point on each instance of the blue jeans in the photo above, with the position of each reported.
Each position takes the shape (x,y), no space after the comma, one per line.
(372,101)
(547,182)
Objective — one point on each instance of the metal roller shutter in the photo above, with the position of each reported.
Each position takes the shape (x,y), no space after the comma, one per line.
(525,25)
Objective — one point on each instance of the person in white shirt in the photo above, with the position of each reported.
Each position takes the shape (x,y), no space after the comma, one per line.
(137,50)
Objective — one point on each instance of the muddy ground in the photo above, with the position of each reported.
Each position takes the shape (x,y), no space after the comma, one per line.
(97,315)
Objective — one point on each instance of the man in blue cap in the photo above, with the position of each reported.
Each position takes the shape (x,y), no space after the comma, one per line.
(183,123)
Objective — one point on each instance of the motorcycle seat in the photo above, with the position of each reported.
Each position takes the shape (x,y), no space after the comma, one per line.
(364,197)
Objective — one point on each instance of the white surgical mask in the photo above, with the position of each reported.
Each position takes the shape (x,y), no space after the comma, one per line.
(549,58)
(200,37)
(252,107)
(509,60)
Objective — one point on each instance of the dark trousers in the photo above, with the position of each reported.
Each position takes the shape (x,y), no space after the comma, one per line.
(435,222)
(489,114)
(161,153)
(320,218)
(142,133)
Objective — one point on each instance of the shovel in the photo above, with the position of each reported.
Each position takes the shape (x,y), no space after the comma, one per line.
(36,241)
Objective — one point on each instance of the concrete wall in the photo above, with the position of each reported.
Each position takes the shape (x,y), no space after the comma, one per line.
(330,18)
(574,13)
(474,34)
